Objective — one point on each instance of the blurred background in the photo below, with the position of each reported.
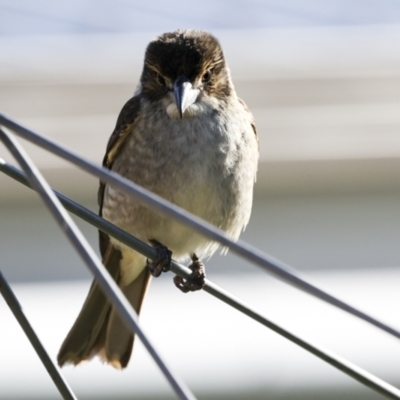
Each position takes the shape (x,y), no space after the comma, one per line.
(323,81)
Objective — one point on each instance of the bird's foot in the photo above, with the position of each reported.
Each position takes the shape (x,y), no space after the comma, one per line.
(196,281)
(162,262)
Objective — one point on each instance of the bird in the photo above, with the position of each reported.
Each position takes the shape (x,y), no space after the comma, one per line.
(186,136)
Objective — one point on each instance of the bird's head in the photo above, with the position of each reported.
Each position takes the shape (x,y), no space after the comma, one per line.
(186,70)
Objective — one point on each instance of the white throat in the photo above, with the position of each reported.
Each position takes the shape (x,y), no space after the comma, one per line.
(194,110)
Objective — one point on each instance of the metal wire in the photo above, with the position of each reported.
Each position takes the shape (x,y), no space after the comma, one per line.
(83,248)
(343,365)
(266,262)
(19,315)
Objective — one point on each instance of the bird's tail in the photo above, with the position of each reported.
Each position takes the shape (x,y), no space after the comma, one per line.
(99,330)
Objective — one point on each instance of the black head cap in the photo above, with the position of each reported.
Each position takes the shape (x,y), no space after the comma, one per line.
(184,52)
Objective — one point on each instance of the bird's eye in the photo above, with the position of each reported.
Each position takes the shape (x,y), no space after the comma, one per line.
(207,76)
(160,80)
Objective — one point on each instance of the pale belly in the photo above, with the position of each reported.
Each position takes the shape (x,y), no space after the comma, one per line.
(146,224)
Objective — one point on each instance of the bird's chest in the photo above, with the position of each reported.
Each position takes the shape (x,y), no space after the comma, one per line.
(189,162)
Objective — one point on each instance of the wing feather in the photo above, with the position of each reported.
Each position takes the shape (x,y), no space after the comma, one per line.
(125,124)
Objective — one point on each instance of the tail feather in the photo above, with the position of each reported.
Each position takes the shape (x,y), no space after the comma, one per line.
(98,330)
(119,338)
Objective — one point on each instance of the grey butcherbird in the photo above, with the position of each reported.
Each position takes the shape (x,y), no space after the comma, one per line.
(186,136)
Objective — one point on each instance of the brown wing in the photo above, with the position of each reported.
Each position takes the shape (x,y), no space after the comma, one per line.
(253,124)
(125,123)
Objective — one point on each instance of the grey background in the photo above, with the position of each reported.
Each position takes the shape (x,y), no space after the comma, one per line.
(323,81)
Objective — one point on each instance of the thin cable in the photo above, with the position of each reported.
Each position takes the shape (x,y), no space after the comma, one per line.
(343,365)
(266,262)
(19,315)
(83,248)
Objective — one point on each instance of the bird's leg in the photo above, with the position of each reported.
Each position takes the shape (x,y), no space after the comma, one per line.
(196,281)
(162,262)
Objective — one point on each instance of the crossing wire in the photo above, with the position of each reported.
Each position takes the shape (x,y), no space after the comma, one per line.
(266,262)
(87,254)
(343,365)
(19,315)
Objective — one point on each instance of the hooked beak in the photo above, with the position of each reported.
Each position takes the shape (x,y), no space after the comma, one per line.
(185,94)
